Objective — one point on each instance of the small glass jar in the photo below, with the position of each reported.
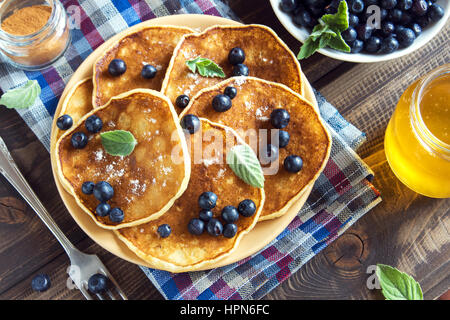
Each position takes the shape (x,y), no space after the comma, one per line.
(417,140)
(37,50)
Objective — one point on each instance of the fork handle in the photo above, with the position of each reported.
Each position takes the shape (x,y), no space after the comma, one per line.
(12,173)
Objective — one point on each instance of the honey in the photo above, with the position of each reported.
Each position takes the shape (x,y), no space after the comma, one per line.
(417,140)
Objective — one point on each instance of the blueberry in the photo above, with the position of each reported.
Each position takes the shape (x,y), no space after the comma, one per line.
(247,208)
(364,32)
(416,28)
(419,7)
(357,46)
(269,154)
(389,45)
(395,15)
(435,12)
(283,138)
(288,5)
(317,12)
(207,200)
(164,230)
(214,227)
(353,20)
(116,215)
(404,4)
(117,67)
(388,4)
(231,92)
(97,283)
(406,37)
(236,56)
(387,27)
(240,70)
(293,163)
(190,123)
(406,18)
(356,6)
(221,103)
(279,118)
(64,122)
(103,191)
(205,215)
(373,44)
(148,71)
(182,101)
(87,187)
(40,282)
(423,21)
(93,124)
(370,2)
(102,209)
(79,140)
(229,230)
(304,18)
(230,214)
(349,35)
(196,226)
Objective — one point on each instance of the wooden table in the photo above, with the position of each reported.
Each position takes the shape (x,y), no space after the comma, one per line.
(406,230)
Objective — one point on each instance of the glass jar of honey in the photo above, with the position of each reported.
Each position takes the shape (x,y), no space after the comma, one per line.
(417,140)
(33,33)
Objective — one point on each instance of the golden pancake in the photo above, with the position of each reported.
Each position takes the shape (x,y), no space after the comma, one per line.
(250,112)
(78,102)
(146,182)
(182,251)
(150,45)
(266,56)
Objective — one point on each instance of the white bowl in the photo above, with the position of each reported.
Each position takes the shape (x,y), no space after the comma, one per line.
(302,34)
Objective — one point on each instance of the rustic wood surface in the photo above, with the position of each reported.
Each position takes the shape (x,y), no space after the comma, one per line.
(406,230)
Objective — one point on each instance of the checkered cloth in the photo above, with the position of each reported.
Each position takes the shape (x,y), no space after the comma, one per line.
(341,195)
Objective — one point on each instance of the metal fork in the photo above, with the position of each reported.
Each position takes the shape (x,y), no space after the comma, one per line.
(82,266)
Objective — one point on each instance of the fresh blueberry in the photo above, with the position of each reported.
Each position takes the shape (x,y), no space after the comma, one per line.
(196,226)
(305,19)
(435,12)
(317,12)
(269,153)
(64,122)
(416,28)
(293,163)
(40,282)
(283,138)
(182,101)
(117,67)
(373,44)
(190,123)
(247,208)
(229,230)
(406,18)
(148,71)
(93,124)
(406,37)
(214,227)
(387,27)
(389,45)
(288,5)
(87,187)
(97,283)
(357,46)
(349,35)
(230,214)
(419,7)
(205,215)
(404,4)
(356,6)
(423,21)
(240,70)
(364,32)
(388,4)
(164,230)
(279,118)
(103,191)
(102,209)
(395,15)
(221,103)
(353,20)
(116,215)
(79,140)
(236,56)
(231,92)
(207,200)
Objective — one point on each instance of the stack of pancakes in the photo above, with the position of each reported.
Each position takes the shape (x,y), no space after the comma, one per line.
(161,180)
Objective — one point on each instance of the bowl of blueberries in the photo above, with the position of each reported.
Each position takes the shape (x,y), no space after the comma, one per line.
(378,30)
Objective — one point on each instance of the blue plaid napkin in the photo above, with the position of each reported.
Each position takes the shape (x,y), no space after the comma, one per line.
(341,195)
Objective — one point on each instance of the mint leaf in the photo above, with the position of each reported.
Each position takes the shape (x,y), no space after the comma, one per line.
(205,67)
(245,164)
(337,22)
(21,97)
(339,43)
(397,285)
(118,142)
(308,48)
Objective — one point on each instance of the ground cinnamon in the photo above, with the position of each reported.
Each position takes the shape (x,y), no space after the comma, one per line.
(27,20)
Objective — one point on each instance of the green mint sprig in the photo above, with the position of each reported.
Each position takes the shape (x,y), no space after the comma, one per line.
(397,285)
(118,142)
(21,97)
(245,164)
(205,67)
(327,33)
